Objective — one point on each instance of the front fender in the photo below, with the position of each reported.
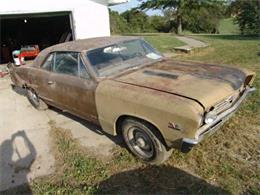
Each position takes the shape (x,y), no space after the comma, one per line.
(114,99)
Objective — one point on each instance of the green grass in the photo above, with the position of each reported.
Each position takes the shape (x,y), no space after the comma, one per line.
(164,43)
(75,172)
(227,26)
(78,173)
(225,163)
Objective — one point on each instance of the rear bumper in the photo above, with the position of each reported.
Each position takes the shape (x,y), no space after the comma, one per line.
(208,129)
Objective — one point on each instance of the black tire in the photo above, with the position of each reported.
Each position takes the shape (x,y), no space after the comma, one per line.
(35,100)
(144,141)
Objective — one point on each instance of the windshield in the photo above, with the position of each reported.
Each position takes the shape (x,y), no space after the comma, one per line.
(117,57)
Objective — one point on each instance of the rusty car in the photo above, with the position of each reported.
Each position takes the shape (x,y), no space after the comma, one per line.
(127,87)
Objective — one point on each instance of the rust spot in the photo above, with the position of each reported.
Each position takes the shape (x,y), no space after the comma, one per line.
(233,76)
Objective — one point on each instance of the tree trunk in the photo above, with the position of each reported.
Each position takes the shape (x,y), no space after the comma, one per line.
(179,25)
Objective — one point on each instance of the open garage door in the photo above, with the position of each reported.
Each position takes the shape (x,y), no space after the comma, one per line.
(44,30)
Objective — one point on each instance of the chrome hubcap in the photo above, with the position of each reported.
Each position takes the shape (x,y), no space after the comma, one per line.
(34,97)
(140,143)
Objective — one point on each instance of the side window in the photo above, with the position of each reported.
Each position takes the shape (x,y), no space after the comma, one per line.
(47,65)
(82,70)
(66,63)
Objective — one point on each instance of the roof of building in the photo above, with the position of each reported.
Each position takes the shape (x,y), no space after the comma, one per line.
(31,6)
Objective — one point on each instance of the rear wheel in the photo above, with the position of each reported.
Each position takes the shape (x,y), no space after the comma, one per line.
(144,141)
(35,100)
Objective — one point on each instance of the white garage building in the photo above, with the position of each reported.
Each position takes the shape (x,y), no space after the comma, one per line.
(48,22)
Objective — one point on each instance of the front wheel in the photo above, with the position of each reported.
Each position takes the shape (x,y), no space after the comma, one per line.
(144,141)
(35,100)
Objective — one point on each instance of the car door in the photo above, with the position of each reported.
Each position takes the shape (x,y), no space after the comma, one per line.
(39,78)
(72,88)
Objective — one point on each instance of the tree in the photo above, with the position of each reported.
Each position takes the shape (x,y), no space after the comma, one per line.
(204,20)
(247,15)
(158,23)
(137,21)
(182,8)
(118,24)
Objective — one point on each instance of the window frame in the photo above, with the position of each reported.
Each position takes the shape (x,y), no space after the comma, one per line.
(80,57)
(46,58)
(78,53)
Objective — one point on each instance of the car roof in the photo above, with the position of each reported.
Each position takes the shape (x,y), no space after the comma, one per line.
(81,45)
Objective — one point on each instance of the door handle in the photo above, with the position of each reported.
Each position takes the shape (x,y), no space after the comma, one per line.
(50,82)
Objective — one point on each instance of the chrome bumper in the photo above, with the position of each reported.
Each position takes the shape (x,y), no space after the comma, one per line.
(209,129)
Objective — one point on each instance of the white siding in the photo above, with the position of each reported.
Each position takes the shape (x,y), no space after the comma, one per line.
(91,22)
(90,17)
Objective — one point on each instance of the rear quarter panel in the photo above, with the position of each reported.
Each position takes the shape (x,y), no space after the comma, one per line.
(19,75)
(115,99)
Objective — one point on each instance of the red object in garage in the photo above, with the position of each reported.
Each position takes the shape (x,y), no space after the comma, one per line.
(29,51)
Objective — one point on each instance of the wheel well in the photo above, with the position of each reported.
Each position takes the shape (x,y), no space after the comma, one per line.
(153,128)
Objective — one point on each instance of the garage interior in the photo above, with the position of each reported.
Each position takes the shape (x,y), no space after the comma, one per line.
(43,29)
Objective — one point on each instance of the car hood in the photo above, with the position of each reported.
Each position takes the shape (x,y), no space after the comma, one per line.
(206,84)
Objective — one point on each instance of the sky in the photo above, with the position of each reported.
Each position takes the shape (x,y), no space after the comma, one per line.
(132,4)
